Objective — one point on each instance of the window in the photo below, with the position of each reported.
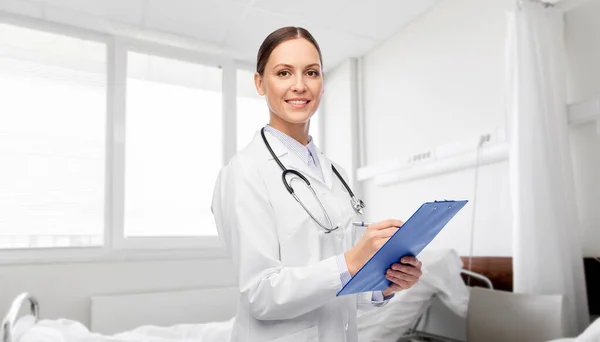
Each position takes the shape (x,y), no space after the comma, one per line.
(253,113)
(52,139)
(145,182)
(173,146)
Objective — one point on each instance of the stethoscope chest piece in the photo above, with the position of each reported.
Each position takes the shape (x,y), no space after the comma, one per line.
(357,204)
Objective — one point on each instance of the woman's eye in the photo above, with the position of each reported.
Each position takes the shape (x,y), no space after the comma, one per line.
(313,73)
(283,73)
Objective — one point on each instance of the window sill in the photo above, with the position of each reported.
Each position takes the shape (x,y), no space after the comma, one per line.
(103,255)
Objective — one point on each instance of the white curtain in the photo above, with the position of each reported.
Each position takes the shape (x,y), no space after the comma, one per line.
(547,257)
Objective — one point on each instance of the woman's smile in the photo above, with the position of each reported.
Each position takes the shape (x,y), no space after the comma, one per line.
(298,102)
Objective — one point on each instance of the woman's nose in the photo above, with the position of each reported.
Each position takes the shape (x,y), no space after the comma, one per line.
(299,85)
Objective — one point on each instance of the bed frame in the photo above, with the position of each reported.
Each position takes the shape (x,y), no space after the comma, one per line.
(414,334)
(497,269)
(6,330)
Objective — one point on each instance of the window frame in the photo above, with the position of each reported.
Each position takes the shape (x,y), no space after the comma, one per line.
(122,46)
(115,247)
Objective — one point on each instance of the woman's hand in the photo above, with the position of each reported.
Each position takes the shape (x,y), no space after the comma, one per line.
(370,242)
(403,275)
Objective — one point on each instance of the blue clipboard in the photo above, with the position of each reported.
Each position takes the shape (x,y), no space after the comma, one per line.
(416,233)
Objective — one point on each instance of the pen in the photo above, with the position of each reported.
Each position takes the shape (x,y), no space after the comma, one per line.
(361,223)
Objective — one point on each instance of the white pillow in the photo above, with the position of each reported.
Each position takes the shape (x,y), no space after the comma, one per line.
(443,269)
(23,325)
(390,322)
(441,277)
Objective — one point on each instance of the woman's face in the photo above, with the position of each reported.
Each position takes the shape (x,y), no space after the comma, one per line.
(292,81)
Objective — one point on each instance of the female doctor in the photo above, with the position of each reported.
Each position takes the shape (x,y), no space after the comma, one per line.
(285,213)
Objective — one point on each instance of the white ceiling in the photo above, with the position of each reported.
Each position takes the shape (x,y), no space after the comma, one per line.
(343,28)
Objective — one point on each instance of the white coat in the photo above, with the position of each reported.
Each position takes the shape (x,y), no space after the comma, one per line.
(286,264)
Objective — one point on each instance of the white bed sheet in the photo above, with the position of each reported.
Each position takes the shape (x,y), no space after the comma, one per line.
(64,330)
(591,334)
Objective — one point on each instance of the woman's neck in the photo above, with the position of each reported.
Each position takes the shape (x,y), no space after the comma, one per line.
(297,131)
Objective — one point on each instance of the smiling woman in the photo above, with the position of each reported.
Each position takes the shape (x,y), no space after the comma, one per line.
(252,113)
(291,79)
(293,251)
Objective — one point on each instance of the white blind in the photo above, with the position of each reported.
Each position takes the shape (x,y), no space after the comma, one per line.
(52,139)
(173,147)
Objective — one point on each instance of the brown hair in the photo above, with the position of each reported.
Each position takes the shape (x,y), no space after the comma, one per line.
(277,37)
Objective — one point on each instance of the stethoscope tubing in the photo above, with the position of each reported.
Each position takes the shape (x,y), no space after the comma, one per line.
(356,203)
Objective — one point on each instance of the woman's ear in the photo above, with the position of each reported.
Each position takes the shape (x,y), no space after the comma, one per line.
(323,88)
(258,83)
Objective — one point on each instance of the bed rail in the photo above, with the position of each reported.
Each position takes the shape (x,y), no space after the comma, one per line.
(414,334)
(6,330)
(478,276)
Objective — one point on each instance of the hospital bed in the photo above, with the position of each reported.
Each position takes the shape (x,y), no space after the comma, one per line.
(8,324)
(441,279)
(401,320)
(417,332)
(500,316)
(70,331)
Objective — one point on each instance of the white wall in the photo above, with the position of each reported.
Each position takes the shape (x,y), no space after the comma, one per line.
(437,81)
(64,290)
(443,78)
(582,30)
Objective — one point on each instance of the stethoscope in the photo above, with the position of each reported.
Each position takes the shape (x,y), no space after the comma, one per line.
(357,204)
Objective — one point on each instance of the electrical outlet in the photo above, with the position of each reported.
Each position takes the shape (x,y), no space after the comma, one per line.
(460,147)
(492,138)
(421,157)
(484,139)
